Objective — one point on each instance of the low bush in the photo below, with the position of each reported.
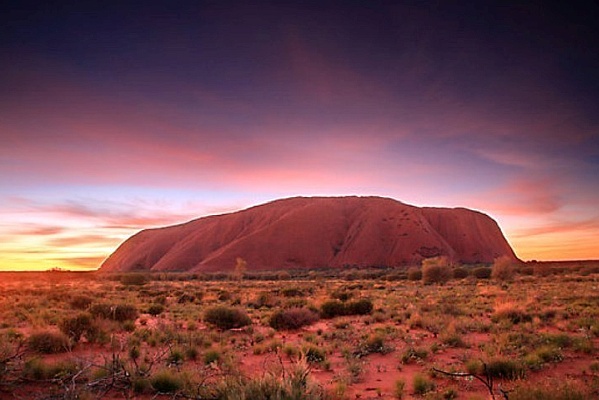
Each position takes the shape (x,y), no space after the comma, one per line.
(134,279)
(342,294)
(436,270)
(510,312)
(292,292)
(374,344)
(460,273)
(315,354)
(359,307)
(48,342)
(212,356)
(503,269)
(292,318)
(226,317)
(422,384)
(502,368)
(155,309)
(81,302)
(414,274)
(75,327)
(482,272)
(166,381)
(558,391)
(332,309)
(412,354)
(115,312)
(38,369)
(335,308)
(186,298)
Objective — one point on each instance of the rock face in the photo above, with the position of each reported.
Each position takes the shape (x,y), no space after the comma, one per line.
(315,232)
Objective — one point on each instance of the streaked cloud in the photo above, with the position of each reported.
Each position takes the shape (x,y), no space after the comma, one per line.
(98,142)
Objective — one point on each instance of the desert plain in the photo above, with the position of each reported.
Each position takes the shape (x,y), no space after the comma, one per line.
(435,331)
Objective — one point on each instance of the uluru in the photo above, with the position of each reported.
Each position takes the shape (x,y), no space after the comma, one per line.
(315,232)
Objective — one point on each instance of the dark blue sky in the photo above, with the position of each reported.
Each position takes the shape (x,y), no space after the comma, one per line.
(187,108)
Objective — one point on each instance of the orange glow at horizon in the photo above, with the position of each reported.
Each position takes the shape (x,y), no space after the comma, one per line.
(81,247)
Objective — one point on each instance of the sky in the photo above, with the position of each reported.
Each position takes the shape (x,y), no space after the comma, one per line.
(120,116)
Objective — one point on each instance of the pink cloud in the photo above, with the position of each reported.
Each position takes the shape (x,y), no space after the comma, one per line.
(83,240)
(522,197)
(562,227)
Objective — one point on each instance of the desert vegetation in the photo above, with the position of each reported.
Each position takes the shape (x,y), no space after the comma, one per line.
(435,331)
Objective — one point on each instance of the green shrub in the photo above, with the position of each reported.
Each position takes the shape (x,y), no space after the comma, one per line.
(422,384)
(166,381)
(295,384)
(48,342)
(226,317)
(292,318)
(452,338)
(176,357)
(314,354)
(75,327)
(504,368)
(212,356)
(38,369)
(332,309)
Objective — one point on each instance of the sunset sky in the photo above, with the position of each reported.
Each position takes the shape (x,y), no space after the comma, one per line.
(115,118)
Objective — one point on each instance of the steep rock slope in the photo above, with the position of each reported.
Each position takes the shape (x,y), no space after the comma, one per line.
(315,232)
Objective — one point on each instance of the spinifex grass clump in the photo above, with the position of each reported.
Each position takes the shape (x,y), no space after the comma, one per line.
(375,343)
(510,312)
(166,381)
(48,342)
(38,369)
